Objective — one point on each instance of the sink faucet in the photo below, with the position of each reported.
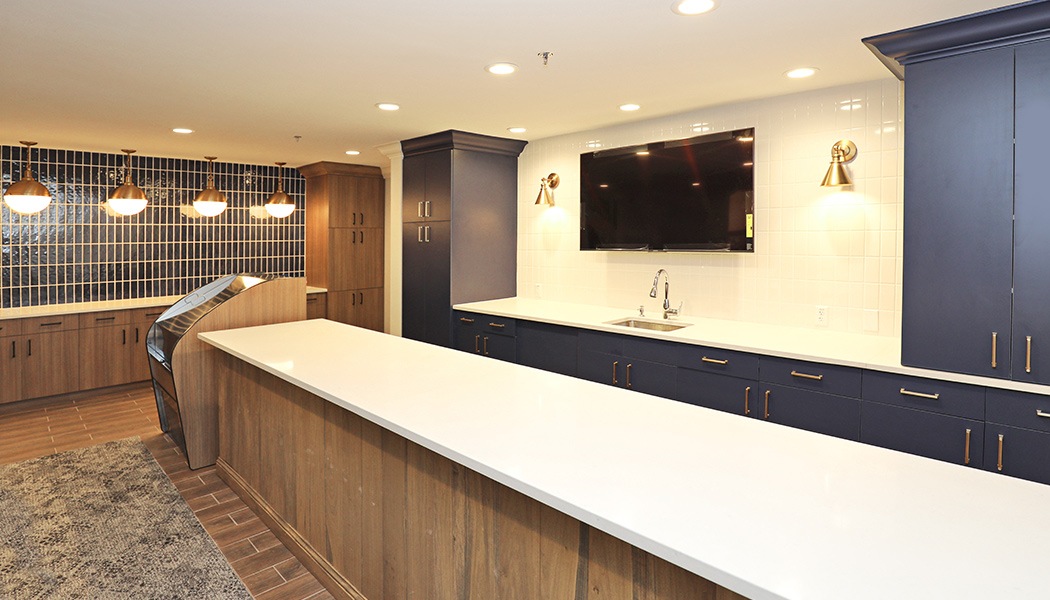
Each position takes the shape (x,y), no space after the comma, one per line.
(668,311)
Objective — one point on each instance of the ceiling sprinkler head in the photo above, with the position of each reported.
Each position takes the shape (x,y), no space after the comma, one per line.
(545,56)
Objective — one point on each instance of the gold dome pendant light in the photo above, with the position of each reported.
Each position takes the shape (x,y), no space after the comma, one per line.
(280,204)
(210,202)
(27,196)
(127,199)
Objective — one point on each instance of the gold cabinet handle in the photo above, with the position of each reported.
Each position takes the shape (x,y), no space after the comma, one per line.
(419,233)
(477,340)
(995,339)
(465,320)
(419,210)
(1040,413)
(714,361)
(616,363)
(966,452)
(807,376)
(426,233)
(497,325)
(766,409)
(628,384)
(905,392)
(426,208)
(999,464)
(747,399)
(485,345)
(1028,354)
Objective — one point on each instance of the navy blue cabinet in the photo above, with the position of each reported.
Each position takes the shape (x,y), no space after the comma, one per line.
(720,392)
(1017,435)
(548,347)
(425,310)
(958,213)
(938,436)
(811,396)
(628,362)
(485,335)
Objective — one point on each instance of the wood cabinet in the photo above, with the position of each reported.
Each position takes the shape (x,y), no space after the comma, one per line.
(459,232)
(51,363)
(975,277)
(112,347)
(12,349)
(316,305)
(345,212)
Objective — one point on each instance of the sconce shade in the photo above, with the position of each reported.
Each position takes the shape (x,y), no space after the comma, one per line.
(210,202)
(842,152)
(548,183)
(27,196)
(128,199)
(279,205)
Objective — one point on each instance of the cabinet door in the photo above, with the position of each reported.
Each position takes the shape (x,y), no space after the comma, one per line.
(427,187)
(413,188)
(138,357)
(600,367)
(720,392)
(1017,452)
(355,201)
(958,213)
(12,351)
(105,357)
(813,411)
(413,281)
(649,377)
(356,257)
(548,347)
(938,436)
(465,334)
(51,364)
(1031,274)
(500,347)
(361,308)
(316,306)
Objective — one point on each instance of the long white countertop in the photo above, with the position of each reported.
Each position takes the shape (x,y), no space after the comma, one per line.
(47,310)
(770,512)
(881,353)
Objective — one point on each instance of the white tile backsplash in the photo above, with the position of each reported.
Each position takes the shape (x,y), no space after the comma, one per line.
(814,246)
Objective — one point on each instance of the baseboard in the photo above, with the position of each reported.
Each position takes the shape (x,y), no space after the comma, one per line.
(333,581)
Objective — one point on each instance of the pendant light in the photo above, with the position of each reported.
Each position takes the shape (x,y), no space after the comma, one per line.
(210,202)
(127,199)
(27,196)
(280,204)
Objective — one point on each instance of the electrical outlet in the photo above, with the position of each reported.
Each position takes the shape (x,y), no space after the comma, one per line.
(822,315)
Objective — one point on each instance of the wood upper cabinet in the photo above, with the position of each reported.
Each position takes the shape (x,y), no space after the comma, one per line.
(345,213)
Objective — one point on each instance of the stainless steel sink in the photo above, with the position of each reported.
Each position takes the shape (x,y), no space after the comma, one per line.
(651,325)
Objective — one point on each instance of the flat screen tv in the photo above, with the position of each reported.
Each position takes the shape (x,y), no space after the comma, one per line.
(696,194)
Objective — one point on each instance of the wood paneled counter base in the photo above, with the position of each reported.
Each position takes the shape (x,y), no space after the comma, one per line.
(377,516)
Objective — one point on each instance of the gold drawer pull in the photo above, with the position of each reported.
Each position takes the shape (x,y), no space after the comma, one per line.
(1028,354)
(628,384)
(768,392)
(807,376)
(477,339)
(995,338)
(714,361)
(966,452)
(465,320)
(905,392)
(486,346)
(1040,413)
(747,397)
(999,464)
(497,325)
(616,363)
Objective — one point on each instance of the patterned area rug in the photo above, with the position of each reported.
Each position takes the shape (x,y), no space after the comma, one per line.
(104,522)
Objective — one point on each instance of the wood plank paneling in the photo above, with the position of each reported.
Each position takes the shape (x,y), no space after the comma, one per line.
(370,512)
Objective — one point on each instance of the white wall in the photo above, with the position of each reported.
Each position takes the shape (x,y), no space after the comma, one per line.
(814,246)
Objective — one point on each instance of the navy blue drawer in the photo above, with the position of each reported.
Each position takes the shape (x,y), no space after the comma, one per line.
(719,361)
(1031,411)
(829,414)
(720,392)
(830,379)
(657,351)
(944,397)
(942,437)
(595,341)
(548,347)
(504,325)
(1017,452)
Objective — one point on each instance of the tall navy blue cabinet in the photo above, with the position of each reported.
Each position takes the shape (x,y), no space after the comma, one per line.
(977,111)
(459,227)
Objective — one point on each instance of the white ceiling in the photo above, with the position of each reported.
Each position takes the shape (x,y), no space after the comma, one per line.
(249,75)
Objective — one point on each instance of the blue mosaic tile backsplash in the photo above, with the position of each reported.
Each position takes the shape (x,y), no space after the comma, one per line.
(74,251)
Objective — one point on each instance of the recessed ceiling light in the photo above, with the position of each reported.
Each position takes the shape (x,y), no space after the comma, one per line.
(746,138)
(701,127)
(642,153)
(182,130)
(353,152)
(501,68)
(387,106)
(516,129)
(603,185)
(629,107)
(593,144)
(688,8)
(801,73)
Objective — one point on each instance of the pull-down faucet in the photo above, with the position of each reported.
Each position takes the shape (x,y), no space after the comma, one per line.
(668,311)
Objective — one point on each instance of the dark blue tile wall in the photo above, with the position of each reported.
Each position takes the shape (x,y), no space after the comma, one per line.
(75,252)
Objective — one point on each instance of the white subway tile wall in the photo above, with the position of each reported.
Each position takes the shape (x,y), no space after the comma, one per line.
(74,251)
(814,246)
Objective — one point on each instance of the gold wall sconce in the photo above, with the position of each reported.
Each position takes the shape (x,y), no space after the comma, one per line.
(842,152)
(28,196)
(210,202)
(127,199)
(280,204)
(548,183)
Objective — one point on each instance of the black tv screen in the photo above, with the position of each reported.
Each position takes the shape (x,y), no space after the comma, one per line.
(696,194)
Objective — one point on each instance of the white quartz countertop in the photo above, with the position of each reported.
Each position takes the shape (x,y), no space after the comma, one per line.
(767,511)
(881,353)
(85,307)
